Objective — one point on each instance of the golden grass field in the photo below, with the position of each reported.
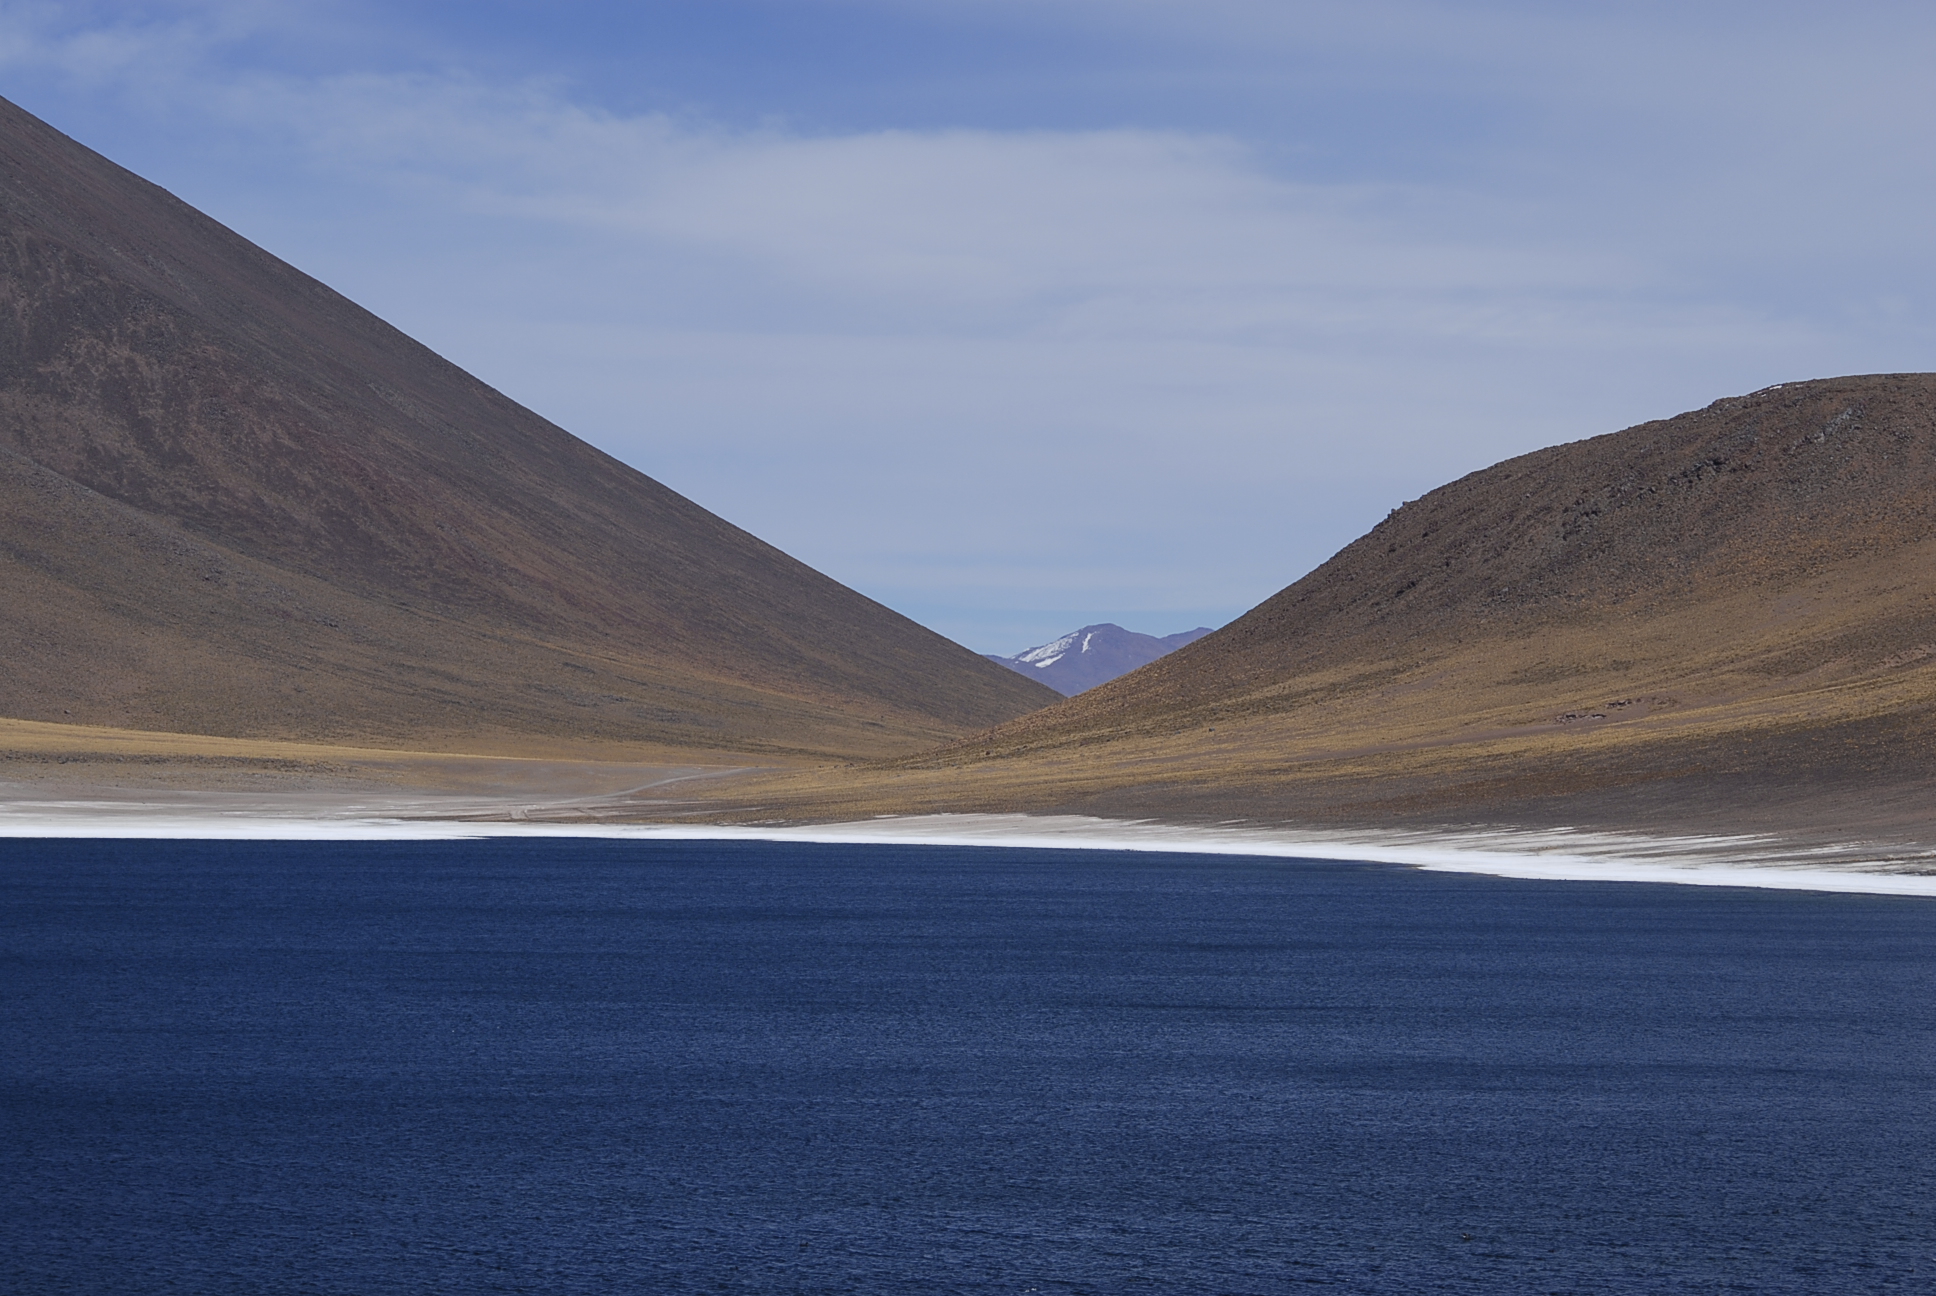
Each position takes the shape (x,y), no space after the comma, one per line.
(1777,706)
(98,759)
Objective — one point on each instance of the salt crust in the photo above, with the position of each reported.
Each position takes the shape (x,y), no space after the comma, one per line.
(1554,854)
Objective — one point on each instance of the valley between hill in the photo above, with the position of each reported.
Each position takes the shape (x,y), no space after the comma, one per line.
(1721,623)
(251,537)
(1724,621)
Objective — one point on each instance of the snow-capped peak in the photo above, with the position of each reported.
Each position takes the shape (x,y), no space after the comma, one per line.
(1047,654)
(1092,655)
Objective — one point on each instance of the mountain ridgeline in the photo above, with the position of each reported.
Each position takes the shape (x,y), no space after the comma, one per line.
(1094,655)
(233,502)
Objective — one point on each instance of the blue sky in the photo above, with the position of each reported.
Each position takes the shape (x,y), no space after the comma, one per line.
(1021,315)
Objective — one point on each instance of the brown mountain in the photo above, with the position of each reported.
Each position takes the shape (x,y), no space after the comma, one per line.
(233,502)
(1728,616)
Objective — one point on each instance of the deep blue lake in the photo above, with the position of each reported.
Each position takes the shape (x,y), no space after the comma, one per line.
(571,1066)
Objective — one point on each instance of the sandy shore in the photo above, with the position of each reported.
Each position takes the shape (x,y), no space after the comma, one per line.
(77,782)
(378,814)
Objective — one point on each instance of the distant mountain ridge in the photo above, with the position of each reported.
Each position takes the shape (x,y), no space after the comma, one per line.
(1094,655)
(233,502)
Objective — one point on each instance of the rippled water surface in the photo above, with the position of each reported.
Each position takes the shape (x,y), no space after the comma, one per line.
(565,1066)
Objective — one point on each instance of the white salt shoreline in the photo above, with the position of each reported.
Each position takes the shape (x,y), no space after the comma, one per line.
(1555,854)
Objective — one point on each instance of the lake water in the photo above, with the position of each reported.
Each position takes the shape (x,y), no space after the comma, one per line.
(570,1066)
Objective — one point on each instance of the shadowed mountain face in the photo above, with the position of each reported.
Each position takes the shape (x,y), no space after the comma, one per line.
(1724,617)
(232,501)
(1093,655)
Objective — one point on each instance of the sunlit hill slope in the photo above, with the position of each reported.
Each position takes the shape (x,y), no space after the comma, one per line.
(1719,616)
(233,502)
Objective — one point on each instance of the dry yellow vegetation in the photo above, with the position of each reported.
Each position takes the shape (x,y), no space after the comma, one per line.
(1726,619)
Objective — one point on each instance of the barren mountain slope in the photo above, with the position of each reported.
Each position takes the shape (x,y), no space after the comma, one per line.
(235,502)
(1735,604)
(1753,496)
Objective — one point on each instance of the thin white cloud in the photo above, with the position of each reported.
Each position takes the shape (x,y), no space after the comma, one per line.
(1131,232)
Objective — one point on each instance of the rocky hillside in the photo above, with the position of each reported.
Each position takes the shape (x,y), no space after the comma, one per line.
(1721,618)
(1777,498)
(233,502)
